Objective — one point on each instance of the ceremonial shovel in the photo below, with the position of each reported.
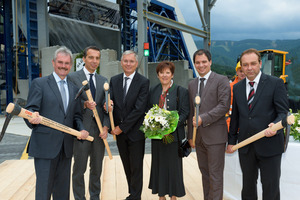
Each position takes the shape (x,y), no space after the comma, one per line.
(279,125)
(197,103)
(107,100)
(86,88)
(15,109)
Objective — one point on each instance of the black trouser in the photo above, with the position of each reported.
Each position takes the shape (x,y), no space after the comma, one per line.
(270,170)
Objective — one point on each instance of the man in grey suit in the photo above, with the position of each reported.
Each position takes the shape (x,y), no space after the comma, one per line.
(84,149)
(53,97)
(129,92)
(211,136)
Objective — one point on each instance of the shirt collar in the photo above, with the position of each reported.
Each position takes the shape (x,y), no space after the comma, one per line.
(87,73)
(130,76)
(206,75)
(57,78)
(256,80)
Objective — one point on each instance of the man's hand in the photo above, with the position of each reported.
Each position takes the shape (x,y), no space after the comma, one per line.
(116,131)
(199,121)
(110,107)
(191,143)
(90,105)
(104,134)
(36,120)
(269,132)
(84,135)
(229,148)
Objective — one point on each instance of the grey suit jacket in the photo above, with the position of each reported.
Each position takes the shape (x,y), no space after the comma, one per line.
(215,103)
(182,106)
(77,78)
(270,104)
(44,97)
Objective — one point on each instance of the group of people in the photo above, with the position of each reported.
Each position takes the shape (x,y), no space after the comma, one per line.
(53,96)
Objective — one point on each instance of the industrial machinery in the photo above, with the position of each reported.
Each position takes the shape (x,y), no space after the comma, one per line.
(28,26)
(274,63)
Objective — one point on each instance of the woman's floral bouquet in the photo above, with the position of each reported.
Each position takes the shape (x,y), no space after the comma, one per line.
(295,128)
(159,123)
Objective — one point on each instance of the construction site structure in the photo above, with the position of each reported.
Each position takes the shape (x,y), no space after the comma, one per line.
(28,26)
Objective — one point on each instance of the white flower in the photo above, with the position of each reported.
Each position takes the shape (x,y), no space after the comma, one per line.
(158,118)
(151,117)
(146,123)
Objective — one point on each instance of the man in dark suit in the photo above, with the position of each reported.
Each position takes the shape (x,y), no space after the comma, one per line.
(211,136)
(85,149)
(259,101)
(129,93)
(53,97)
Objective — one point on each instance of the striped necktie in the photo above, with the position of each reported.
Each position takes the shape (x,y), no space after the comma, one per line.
(251,94)
(125,88)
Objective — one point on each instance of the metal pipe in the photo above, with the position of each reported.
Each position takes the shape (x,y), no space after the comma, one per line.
(204,25)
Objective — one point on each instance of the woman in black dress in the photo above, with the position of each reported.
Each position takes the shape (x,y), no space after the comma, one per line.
(166,176)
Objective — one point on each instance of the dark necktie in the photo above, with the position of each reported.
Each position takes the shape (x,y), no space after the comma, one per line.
(63,94)
(251,94)
(201,85)
(92,86)
(125,88)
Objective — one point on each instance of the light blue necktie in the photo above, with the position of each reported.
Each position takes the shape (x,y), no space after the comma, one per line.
(63,94)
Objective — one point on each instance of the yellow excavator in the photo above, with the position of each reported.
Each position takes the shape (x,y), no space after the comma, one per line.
(274,63)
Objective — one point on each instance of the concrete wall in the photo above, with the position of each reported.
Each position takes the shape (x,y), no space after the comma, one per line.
(46,60)
(109,66)
(182,74)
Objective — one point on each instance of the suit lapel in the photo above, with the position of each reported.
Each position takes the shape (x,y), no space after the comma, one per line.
(71,95)
(208,84)
(131,89)
(259,90)
(119,89)
(99,87)
(53,85)
(82,77)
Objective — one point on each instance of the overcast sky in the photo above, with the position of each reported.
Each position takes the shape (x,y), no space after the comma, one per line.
(248,19)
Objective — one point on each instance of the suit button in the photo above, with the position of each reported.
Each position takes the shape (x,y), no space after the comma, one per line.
(250,118)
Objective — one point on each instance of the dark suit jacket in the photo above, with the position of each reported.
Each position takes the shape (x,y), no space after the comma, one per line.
(215,103)
(183,105)
(129,115)
(270,104)
(44,97)
(77,78)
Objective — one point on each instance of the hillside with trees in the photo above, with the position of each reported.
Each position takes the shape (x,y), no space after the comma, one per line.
(225,54)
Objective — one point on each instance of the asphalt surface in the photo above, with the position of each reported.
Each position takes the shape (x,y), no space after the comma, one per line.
(12,146)
(15,139)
